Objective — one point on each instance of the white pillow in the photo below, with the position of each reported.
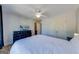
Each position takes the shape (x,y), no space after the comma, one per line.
(75,43)
(76,35)
(75,38)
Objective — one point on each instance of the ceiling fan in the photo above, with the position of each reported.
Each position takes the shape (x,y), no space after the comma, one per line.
(39,13)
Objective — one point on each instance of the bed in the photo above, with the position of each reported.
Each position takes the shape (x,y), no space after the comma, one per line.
(42,44)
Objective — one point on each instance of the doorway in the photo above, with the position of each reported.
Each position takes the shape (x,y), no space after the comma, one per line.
(37,26)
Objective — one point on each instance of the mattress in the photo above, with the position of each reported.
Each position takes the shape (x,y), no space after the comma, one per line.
(42,44)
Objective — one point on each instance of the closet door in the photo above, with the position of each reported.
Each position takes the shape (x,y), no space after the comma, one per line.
(1,28)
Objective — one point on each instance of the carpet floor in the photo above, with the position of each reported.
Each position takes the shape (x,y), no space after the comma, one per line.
(5,49)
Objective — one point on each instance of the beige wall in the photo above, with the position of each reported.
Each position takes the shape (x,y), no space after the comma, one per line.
(62,25)
(77,20)
(11,22)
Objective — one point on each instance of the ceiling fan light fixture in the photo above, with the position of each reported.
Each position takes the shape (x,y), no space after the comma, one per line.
(38,15)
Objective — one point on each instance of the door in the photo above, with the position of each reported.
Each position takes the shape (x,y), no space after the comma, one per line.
(1,28)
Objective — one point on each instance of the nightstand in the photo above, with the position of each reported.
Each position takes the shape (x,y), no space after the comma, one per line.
(69,38)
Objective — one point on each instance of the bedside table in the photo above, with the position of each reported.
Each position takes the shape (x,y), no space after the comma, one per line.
(69,38)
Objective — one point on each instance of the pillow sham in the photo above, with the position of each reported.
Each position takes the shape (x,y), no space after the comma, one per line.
(76,35)
(75,38)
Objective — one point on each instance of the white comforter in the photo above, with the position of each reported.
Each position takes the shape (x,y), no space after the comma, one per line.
(41,44)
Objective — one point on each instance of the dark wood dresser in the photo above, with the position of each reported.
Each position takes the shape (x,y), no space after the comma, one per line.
(17,35)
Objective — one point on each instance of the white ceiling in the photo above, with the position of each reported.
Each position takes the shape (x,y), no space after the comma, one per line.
(28,10)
